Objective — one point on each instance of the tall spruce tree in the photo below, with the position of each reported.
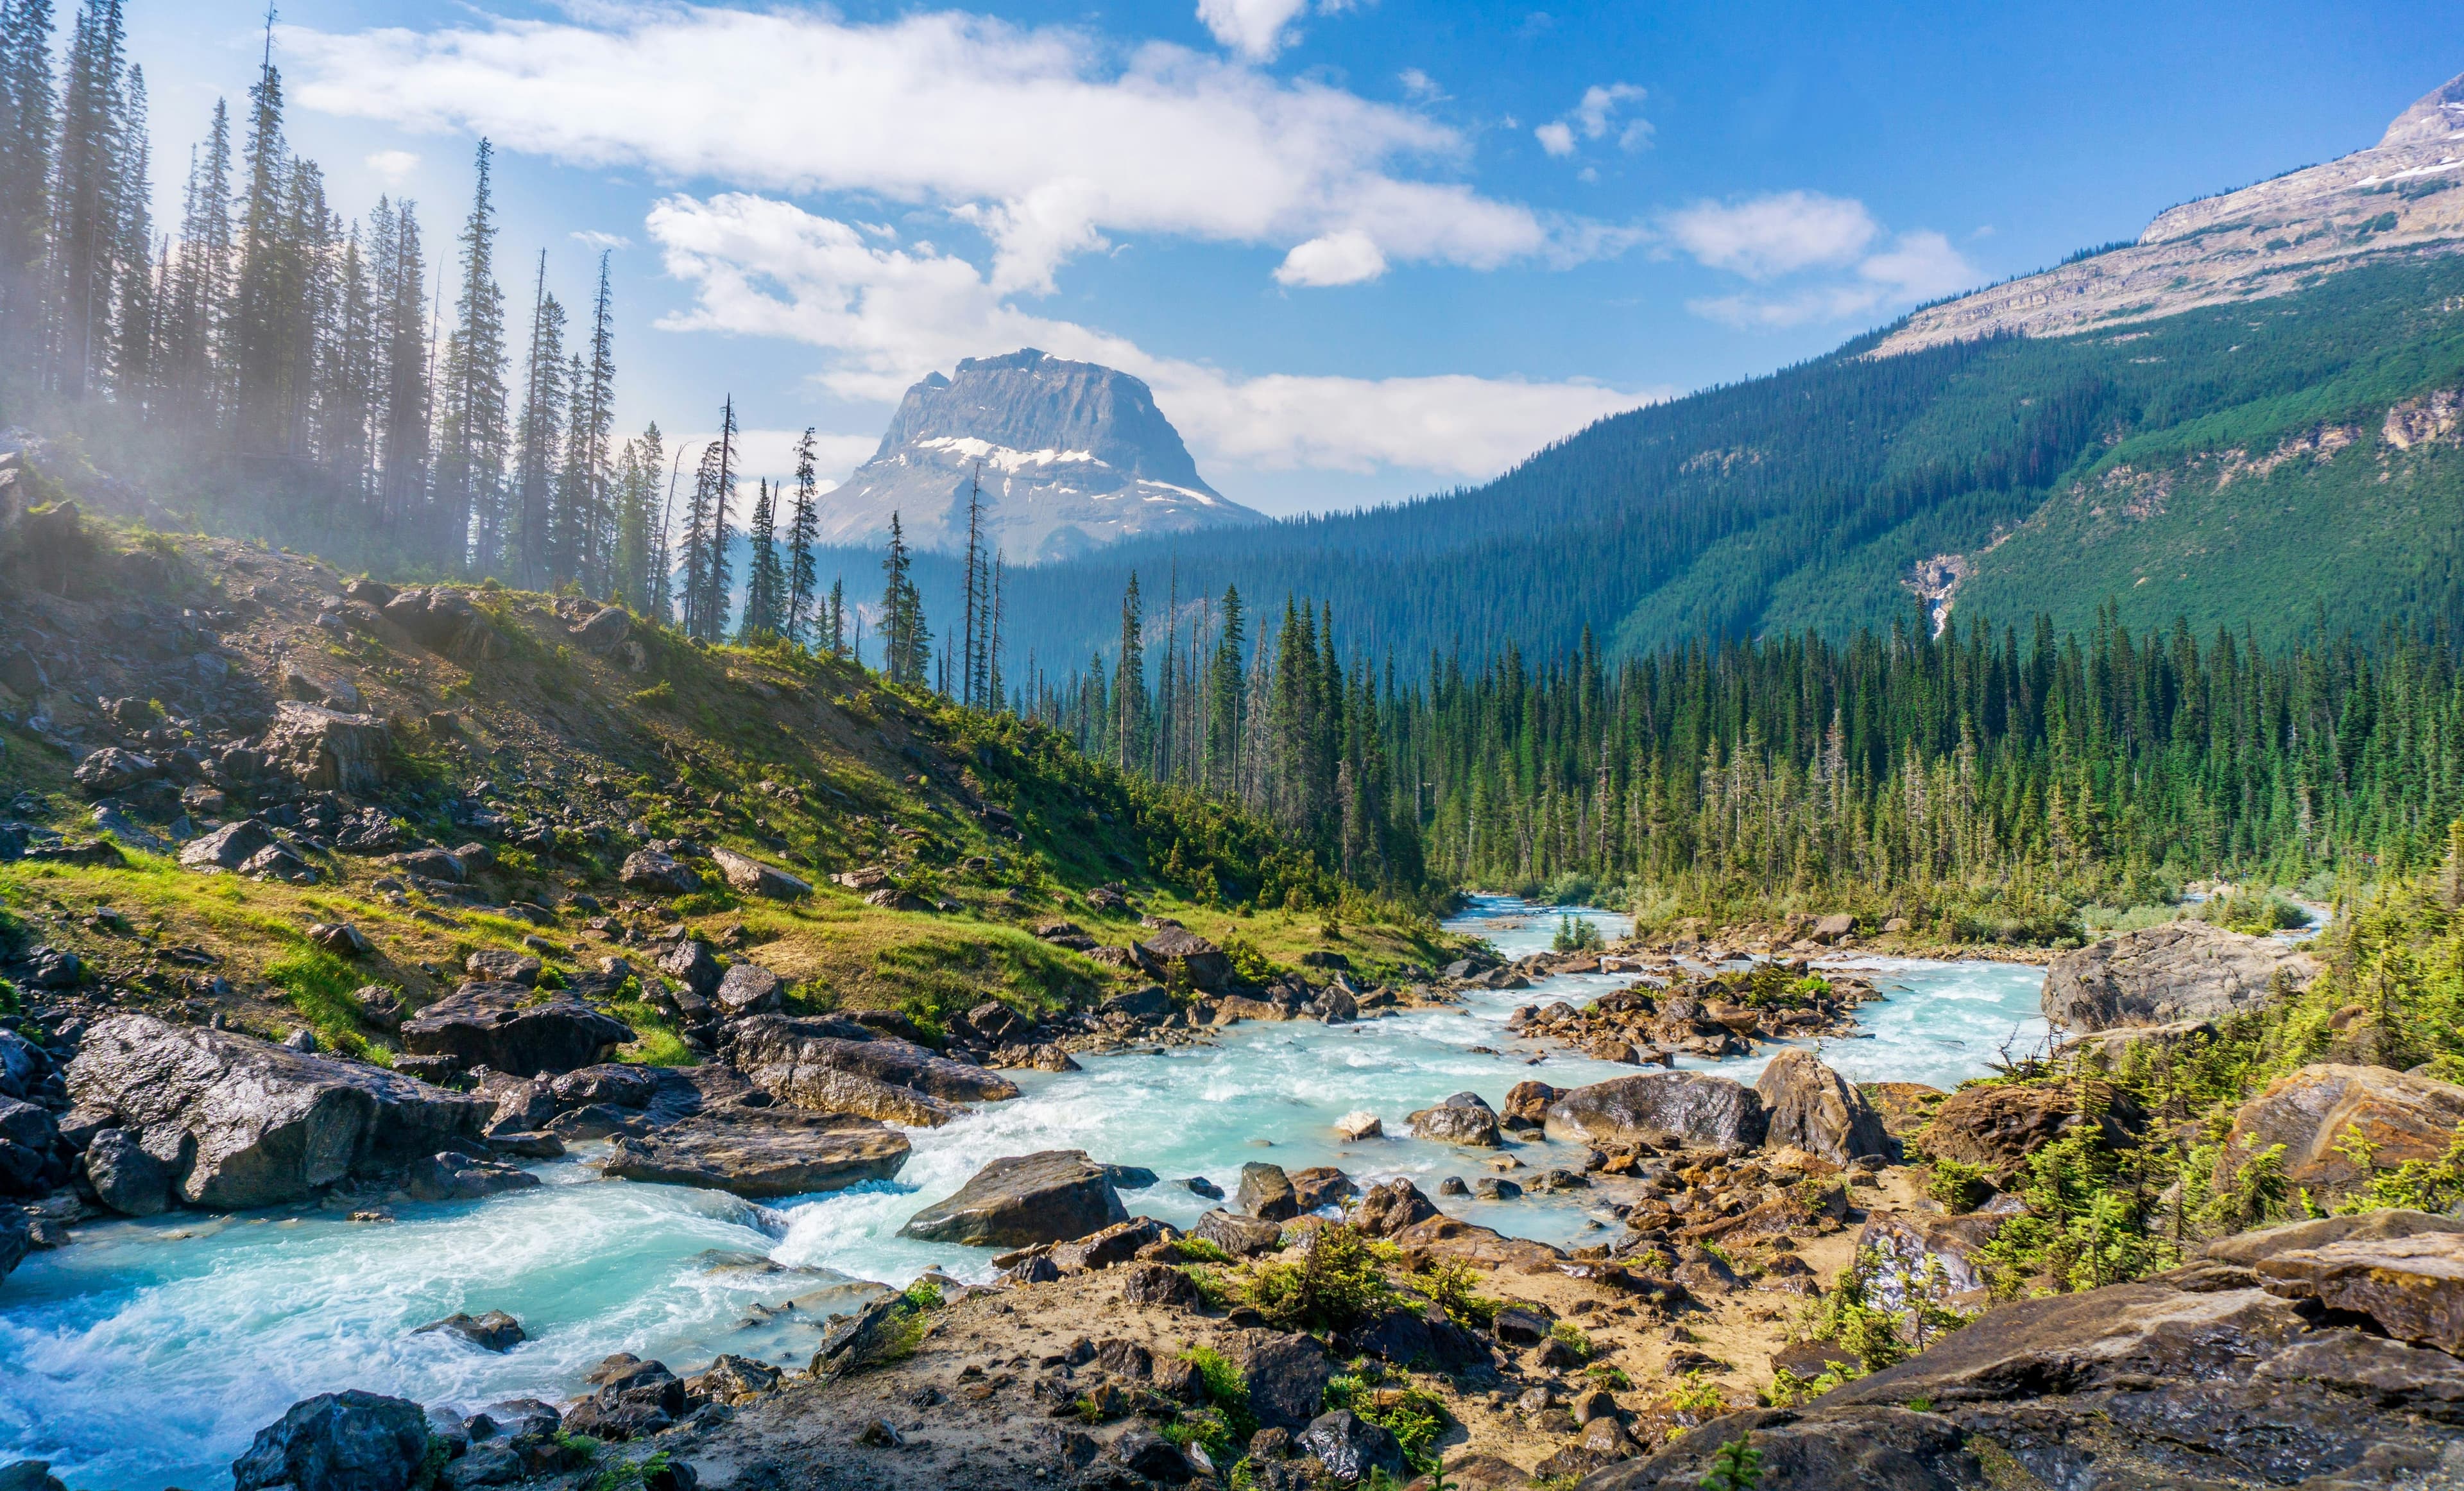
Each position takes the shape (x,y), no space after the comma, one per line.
(592,520)
(470,437)
(87,197)
(531,551)
(803,532)
(765,580)
(29,116)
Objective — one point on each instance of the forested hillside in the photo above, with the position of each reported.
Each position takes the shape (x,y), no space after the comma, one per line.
(1808,499)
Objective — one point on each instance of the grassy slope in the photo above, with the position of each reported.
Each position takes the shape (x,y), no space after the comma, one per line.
(806,763)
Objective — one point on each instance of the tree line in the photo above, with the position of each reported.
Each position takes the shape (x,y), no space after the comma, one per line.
(266,352)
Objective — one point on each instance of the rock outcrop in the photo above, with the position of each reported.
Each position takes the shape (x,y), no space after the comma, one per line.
(248,1123)
(339,1441)
(837,1066)
(1022,1200)
(760,1153)
(1462,1119)
(1997,1127)
(513,1029)
(2327,1117)
(750,876)
(1813,1108)
(1692,1108)
(328,751)
(2169,974)
(2199,1377)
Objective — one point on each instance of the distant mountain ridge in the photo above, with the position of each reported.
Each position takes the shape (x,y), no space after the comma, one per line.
(2399,194)
(1072,457)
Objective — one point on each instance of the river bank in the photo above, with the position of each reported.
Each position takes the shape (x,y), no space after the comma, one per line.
(218,1324)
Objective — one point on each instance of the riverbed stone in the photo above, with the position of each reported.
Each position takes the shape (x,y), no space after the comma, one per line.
(1692,1108)
(124,1177)
(1241,1236)
(2317,1112)
(1387,1208)
(1265,1193)
(2163,975)
(1350,1447)
(1287,1376)
(450,1176)
(512,1029)
(760,1153)
(256,1124)
(837,1066)
(1462,1119)
(338,1442)
(1813,1108)
(494,1331)
(1021,1200)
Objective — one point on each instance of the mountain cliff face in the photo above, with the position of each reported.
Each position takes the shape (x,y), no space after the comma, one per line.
(2405,193)
(1072,455)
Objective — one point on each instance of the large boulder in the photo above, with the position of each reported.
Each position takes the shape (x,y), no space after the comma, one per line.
(1462,1119)
(124,1177)
(339,1441)
(1997,1126)
(749,988)
(751,877)
(1811,1107)
(1692,1108)
(2413,1286)
(229,847)
(1387,1208)
(1021,1200)
(327,751)
(512,1029)
(1287,1375)
(1177,951)
(17,1240)
(437,617)
(1350,1447)
(112,769)
(2166,975)
(762,1153)
(1265,1193)
(253,1124)
(2317,1114)
(837,1066)
(659,875)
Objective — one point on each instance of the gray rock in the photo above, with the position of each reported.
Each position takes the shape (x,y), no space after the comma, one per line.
(229,847)
(260,1125)
(1265,1193)
(338,1442)
(124,1177)
(112,769)
(1287,1376)
(611,1083)
(1141,1004)
(496,1025)
(751,877)
(453,1176)
(690,964)
(1177,953)
(1351,1447)
(1462,1119)
(2314,1112)
(1021,1200)
(1813,1108)
(504,966)
(749,988)
(494,1331)
(813,1064)
(17,1240)
(2164,975)
(22,1065)
(1694,1108)
(762,1153)
(1241,1236)
(327,751)
(659,875)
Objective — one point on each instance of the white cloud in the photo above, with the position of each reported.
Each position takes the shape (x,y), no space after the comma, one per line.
(1594,116)
(1339,259)
(772,454)
(1253,28)
(887,315)
(1049,140)
(394,165)
(1918,266)
(1420,86)
(1775,234)
(597,239)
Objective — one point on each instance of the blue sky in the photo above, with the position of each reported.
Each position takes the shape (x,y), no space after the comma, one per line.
(1361,248)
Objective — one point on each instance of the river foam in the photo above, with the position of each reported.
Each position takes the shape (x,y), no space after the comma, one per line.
(147,1353)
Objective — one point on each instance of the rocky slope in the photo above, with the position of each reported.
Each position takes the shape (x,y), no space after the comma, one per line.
(2398,197)
(1071,457)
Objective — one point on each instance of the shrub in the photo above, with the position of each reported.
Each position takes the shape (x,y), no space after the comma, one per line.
(1227,1392)
(1336,1284)
(1449,1281)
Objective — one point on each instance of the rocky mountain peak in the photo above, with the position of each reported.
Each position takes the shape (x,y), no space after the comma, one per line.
(1072,455)
(2436,116)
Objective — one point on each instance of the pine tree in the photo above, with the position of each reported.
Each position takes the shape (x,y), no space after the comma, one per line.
(765,583)
(85,236)
(718,576)
(29,115)
(1128,683)
(258,335)
(838,637)
(970,655)
(804,531)
(531,554)
(638,547)
(136,322)
(906,644)
(402,397)
(470,435)
(594,420)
